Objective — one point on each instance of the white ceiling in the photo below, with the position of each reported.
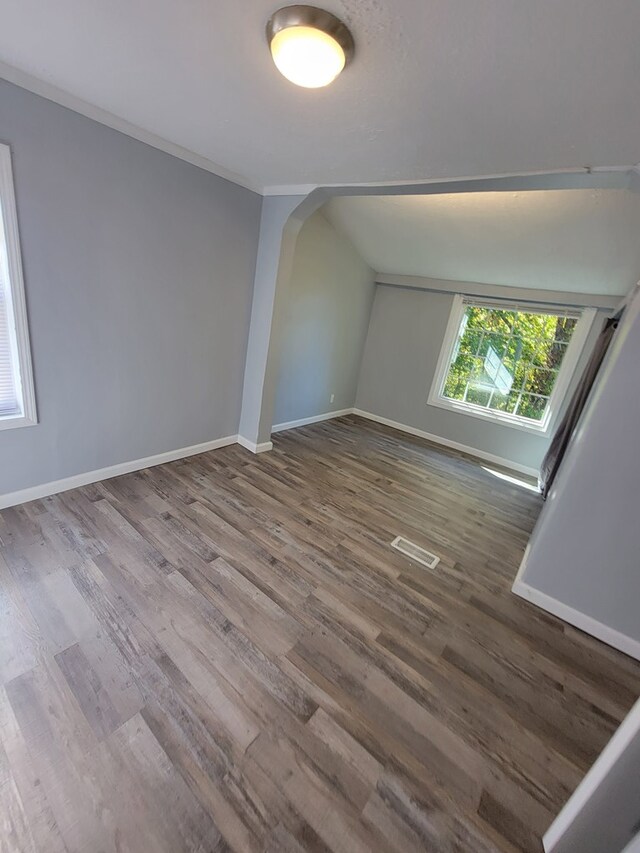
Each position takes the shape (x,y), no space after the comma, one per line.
(583,241)
(437,89)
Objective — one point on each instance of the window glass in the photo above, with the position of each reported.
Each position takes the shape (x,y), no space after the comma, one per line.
(507,360)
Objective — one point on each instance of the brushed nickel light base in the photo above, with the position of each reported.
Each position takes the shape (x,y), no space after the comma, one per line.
(319,19)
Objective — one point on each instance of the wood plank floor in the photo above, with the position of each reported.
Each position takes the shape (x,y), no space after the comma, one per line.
(223,653)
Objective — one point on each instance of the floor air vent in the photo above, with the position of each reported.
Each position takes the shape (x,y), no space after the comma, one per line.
(415,553)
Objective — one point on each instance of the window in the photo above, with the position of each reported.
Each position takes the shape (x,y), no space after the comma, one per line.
(509,362)
(17,401)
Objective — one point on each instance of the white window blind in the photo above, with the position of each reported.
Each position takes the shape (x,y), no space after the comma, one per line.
(9,398)
(17,395)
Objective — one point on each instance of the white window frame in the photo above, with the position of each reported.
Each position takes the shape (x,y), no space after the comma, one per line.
(585,316)
(16,307)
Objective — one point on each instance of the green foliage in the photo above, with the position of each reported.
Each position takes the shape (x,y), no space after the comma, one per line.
(531,347)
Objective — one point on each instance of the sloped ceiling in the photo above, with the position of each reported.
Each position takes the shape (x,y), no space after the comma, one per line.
(575,240)
(437,89)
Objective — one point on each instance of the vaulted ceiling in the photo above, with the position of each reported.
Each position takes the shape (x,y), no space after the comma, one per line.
(455,88)
(583,241)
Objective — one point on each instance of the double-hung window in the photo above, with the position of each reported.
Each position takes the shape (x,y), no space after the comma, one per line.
(17,400)
(509,362)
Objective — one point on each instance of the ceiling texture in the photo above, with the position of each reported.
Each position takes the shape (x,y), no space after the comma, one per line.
(437,89)
(583,241)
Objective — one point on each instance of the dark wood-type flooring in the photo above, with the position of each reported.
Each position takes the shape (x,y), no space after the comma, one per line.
(224,653)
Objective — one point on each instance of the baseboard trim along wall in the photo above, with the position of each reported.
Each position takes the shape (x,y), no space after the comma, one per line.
(579,620)
(314,419)
(585,796)
(56,486)
(454,445)
(52,488)
(253,447)
(436,439)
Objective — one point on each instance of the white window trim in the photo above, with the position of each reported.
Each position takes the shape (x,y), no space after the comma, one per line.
(567,369)
(17,303)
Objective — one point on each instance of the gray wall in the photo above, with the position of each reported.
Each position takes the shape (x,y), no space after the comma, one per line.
(585,549)
(138,272)
(405,337)
(325,325)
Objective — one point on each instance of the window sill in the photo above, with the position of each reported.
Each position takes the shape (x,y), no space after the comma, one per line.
(488,416)
(15,421)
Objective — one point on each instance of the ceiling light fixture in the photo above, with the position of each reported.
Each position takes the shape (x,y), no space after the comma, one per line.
(309,46)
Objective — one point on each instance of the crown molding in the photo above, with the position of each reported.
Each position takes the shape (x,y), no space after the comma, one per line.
(629,176)
(580,177)
(71,102)
(601,301)
(290,189)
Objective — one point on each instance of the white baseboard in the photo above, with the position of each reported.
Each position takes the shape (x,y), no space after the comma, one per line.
(454,445)
(587,798)
(314,419)
(56,486)
(436,439)
(253,447)
(579,620)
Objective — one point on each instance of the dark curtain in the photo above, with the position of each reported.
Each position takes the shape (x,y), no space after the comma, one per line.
(562,436)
